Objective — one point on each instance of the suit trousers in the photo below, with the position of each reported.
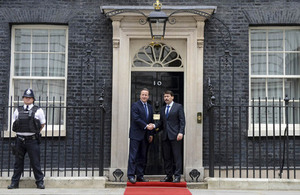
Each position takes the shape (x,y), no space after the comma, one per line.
(172,152)
(137,158)
(32,147)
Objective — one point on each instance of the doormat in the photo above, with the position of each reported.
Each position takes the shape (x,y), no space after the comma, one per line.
(157,188)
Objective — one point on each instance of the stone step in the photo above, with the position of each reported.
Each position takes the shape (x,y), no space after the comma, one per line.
(197,185)
(153,177)
(110,184)
(190,185)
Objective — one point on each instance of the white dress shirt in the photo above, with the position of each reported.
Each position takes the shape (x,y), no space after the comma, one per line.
(171,104)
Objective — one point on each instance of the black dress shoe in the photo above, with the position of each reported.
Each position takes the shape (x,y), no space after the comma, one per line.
(176,180)
(142,179)
(13,186)
(40,186)
(167,179)
(131,180)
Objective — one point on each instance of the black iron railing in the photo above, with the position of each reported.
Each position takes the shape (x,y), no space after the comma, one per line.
(72,141)
(256,140)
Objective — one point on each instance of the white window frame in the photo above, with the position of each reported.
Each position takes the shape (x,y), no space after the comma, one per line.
(263,129)
(52,130)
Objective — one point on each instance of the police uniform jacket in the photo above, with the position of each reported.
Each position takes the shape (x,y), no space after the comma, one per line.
(39,114)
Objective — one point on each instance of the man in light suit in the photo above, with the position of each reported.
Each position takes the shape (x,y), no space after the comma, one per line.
(140,135)
(172,124)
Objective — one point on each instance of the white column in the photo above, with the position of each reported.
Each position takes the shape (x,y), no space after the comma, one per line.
(120,99)
(193,150)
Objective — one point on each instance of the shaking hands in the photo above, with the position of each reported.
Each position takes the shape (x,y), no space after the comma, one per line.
(150,126)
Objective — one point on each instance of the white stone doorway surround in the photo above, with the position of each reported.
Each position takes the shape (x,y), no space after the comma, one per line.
(188,28)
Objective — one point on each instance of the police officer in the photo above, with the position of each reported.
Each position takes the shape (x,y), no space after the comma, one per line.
(28,121)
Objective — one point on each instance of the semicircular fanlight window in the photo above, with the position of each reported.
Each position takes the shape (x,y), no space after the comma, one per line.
(157,55)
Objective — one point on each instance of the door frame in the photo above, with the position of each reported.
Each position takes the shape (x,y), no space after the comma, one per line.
(126,28)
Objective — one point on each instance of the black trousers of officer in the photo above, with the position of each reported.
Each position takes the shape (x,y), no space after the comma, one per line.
(32,147)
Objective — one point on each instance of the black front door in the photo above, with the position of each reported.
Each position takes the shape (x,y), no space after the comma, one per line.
(157,83)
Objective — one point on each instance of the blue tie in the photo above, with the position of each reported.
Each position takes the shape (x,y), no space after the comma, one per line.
(145,106)
(167,113)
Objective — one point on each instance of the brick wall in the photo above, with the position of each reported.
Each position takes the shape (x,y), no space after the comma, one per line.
(82,15)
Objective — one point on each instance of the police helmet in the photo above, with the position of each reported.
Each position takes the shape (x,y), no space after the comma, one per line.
(28,93)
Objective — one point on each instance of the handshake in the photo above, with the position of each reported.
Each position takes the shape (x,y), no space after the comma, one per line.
(150,126)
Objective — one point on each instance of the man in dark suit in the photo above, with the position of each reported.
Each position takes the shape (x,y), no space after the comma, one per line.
(172,124)
(140,135)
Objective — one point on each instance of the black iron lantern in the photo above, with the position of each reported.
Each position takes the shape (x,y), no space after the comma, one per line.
(157,20)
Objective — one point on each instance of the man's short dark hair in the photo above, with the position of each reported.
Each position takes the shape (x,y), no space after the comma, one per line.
(169,92)
(145,89)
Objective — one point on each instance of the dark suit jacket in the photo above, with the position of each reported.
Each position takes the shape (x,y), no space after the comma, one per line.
(174,124)
(138,121)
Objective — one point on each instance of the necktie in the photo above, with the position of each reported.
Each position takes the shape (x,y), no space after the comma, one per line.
(27,108)
(167,112)
(145,107)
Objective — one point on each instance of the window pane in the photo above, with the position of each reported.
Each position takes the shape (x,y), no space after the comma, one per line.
(55,115)
(294,113)
(258,111)
(57,65)
(56,89)
(258,64)
(140,63)
(275,38)
(39,64)
(292,61)
(174,63)
(22,40)
(145,55)
(276,64)
(40,88)
(22,65)
(19,87)
(258,88)
(292,40)
(165,52)
(273,112)
(57,40)
(258,40)
(275,89)
(292,88)
(40,40)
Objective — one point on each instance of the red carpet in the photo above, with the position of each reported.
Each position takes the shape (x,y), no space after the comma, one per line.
(157,188)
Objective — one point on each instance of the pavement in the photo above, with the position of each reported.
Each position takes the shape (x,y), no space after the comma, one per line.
(120,191)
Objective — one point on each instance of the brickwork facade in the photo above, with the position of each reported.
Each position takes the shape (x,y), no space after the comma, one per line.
(85,21)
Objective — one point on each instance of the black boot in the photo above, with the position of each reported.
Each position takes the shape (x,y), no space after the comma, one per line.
(167,179)
(13,186)
(40,185)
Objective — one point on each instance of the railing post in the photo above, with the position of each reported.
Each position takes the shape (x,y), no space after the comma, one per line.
(286,135)
(211,142)
(101,154)
(286,99)
(211,131)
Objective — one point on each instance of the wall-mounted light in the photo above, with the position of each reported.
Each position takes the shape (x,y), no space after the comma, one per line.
(157,20)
